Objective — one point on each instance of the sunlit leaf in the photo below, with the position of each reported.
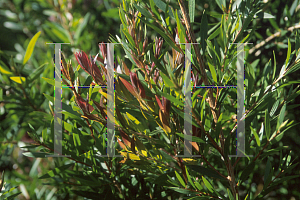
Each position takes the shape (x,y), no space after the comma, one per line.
(4,71)
(207,184)
(30,47)
(180,179)
(18,79)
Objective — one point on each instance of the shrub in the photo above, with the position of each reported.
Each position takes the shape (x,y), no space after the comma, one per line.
(150,112)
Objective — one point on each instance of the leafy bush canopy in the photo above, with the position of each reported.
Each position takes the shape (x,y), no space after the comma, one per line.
(150,108)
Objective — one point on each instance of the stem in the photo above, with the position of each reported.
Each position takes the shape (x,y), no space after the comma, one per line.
(230,169)
(199,58)
(212,166)
(115,181)
(277,34)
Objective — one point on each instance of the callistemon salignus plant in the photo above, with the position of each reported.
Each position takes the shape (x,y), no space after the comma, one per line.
(150,113)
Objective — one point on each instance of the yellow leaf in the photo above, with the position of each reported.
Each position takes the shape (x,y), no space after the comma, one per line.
(104,94)
(144,115)
(30,47)
(87,154)
(189,160)
(18,79)
(144,105)
(133,118)
(130,156)
(4,71)
(144,153)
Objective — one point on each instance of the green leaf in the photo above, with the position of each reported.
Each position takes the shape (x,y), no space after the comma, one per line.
(197,198)
(267,124)
(274,69)
(166,80)
(189,177)
(274,107)
(230,194)
(180,179)
(207,184)
(288,53)
(56,171)
(171,98)
(51,99)
(50,81)
(81,26)
(161,5)
(221,4)
(159,31)
(143,11)
(30,47)
(37,72)
(263,15)
(205,171)
(214,34)
(88,194)
(255,135)
(279,137)
(192,10)
(190,138)
(180,31)
(267,171)
(204,29)
(213,72)
(247,22)
(57,31)
(247,171)
(36,154)
(281,115)
(11,197)
(153,8)
(129,38)
(122,17)
(182,191)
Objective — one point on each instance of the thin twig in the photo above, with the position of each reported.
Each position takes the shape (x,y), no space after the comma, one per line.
(277,34)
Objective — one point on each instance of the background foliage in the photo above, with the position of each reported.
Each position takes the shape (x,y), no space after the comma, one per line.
(26,108)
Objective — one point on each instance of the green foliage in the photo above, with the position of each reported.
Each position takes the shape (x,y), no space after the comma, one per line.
(150,104)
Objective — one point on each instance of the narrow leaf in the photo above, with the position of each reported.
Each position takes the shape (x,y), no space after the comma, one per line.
(162,33)
(56,171)
(5,71)
(205,171)
(36,154)
(17,79)
(180,179)
(81,26)
(207,184)
(267,171)
(204,29)
(213,72)
(288,53)
(281,115)
(30,47)
(256,136)
(267,124)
